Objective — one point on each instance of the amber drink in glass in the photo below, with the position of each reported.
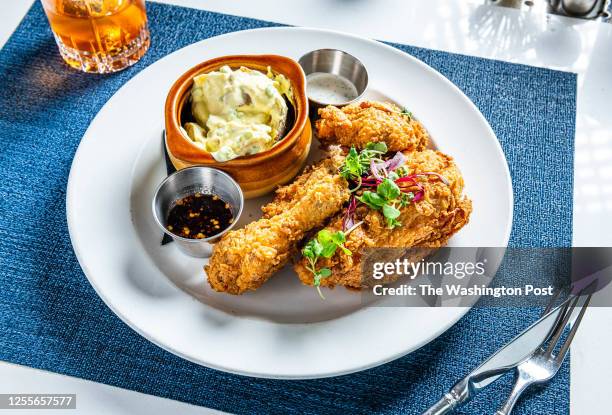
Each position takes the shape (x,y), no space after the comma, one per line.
(99,35)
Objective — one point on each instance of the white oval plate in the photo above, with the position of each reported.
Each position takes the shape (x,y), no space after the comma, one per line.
(282,330)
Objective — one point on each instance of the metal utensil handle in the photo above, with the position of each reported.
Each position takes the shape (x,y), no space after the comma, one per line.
(518,389)
(443,406)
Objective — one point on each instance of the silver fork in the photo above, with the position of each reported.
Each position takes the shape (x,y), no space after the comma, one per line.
(545,363)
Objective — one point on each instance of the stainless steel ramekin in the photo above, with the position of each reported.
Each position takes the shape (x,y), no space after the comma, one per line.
(336,62)
(189,181)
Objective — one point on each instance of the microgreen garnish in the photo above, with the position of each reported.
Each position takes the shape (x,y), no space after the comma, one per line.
(352,168)
(357,164)
(349,217)
(388,189)
(406,112)
(387,198)
(380,147)
(395,188)
(324,245)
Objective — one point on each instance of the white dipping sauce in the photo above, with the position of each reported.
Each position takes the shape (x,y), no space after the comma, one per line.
(327,88)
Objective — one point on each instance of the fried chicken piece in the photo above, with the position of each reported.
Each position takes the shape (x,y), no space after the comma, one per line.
(245,258)
(428,223)
(369,121)
(288,195)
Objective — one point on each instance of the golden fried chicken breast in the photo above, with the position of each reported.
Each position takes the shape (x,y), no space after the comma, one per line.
(245,258)
(429,222)
(369,121)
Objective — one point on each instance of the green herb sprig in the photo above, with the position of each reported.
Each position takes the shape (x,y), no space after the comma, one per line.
(324,245)
(387,198)
(356,164)
(406,112)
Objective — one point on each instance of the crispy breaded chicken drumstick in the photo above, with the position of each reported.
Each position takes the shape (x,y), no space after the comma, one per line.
(368,121)
(428,222)
(244,259)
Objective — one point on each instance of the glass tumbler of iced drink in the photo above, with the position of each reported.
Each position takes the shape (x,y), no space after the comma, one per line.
(99,35)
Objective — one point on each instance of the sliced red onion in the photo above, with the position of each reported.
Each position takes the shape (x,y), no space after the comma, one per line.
(427,173)
(396,161)
(376,168)
(370,182)
(349,217)
(438,175)
(410,178)
(381,169)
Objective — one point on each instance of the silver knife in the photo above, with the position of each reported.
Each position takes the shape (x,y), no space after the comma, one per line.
(505,359)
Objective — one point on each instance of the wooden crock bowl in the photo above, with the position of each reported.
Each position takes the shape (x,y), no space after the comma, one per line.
(256,174)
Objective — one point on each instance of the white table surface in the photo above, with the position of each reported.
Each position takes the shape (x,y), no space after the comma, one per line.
(461,26)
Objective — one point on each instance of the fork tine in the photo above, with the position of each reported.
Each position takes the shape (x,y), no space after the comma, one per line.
(570,337)
(549,307)
(552,301)
(562,321)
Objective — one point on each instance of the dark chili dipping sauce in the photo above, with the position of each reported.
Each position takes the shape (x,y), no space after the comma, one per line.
(199,216)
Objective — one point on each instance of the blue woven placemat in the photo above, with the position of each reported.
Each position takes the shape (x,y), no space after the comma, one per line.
(50,317)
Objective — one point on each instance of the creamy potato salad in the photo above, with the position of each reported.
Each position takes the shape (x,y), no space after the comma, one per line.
(238,112)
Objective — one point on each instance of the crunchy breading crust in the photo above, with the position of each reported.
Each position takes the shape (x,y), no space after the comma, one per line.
(244,259)
(364,122)
(429,222)
(288,195)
